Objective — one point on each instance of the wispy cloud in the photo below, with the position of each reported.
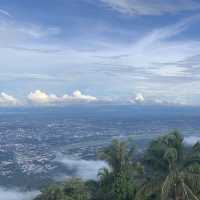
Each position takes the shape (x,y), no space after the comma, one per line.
(154,65)
(5,13)
(20,35)
(152,7)
(31,77)
(37,32)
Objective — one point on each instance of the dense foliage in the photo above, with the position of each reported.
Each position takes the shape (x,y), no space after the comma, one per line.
(167,170)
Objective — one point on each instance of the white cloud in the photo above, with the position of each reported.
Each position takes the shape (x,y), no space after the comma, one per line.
(8,100)
(170,71)
(191,140)
(161,61)
(139,98)
(149,57)
(4,12)
(77,95)
(86,169)
(37,32)
(15,194)
(151,7)
(31,76)
(17,35)
(40,97)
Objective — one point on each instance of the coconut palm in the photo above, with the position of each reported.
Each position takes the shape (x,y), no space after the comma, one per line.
(105,177)
(117,155)
(170,175)
(181,183)
(119,179)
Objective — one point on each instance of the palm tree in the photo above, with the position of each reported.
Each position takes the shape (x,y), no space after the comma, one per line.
(105,177)
(170,175)
(119,178)
(117,155)
(181,183)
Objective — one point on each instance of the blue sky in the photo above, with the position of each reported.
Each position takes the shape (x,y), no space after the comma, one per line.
(119,50)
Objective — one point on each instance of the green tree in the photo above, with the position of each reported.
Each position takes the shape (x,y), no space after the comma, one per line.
(53,192)
(118,181)
(171,174)
(73,189)
(76,190)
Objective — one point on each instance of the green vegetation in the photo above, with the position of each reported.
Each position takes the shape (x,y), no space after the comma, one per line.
(167,170)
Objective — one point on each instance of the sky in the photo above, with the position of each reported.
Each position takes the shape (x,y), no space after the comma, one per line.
(60,51)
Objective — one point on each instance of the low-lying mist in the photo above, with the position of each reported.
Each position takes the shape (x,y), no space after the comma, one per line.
(191,140)
(85,169)
(16,194)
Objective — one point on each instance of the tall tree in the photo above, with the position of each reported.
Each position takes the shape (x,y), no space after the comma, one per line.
(119,179)
(170,173)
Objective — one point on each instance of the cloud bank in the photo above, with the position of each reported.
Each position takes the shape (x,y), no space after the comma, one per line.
(15,194)
(40,97)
